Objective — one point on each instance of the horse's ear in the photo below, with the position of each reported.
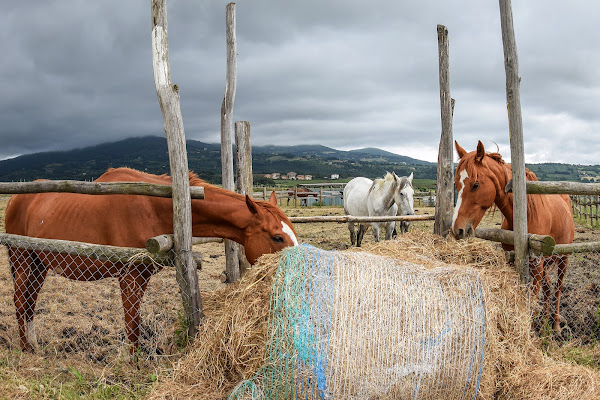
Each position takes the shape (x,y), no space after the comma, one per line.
(252,206)
(273,198)
(395,176)
(461,152)
(410,178)
(480,152)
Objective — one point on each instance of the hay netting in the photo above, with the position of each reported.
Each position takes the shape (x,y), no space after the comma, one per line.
(413,360)
(356,326)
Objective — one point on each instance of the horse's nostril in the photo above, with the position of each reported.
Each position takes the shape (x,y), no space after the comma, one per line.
(461,233)
(470,231)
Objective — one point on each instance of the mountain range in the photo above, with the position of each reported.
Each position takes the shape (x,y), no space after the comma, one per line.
(150,154)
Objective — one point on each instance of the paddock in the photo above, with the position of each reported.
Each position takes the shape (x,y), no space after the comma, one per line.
(80,326)
(88,336)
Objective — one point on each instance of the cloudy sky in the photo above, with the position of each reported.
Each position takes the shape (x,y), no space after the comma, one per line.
(345,74)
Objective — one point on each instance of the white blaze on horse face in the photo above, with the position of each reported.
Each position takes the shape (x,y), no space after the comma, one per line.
(286,229)
(463,175)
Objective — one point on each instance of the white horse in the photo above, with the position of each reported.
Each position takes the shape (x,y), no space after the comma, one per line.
(391,195)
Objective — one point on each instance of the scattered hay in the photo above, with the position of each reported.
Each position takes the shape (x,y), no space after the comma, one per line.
(231,345)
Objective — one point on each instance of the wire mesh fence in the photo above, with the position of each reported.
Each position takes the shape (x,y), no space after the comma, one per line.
(578,302)
(101,306)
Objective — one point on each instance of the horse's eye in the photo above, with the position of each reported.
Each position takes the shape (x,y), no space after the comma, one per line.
(278,239)
(475,185)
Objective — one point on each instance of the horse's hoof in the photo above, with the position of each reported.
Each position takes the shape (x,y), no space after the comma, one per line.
(28,349)
(556,328)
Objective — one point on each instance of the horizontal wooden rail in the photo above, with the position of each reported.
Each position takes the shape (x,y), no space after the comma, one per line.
(94,251)
(559,187)
(576,247)
(544,244)
(349,218)
(164,243)
(104,188)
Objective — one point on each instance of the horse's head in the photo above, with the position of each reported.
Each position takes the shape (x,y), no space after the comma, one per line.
(269,229)
(477,186)
(403,196)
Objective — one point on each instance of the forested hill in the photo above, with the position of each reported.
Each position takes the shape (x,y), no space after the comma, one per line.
(150,154)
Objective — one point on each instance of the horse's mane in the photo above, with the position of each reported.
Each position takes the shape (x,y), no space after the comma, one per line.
(379,182)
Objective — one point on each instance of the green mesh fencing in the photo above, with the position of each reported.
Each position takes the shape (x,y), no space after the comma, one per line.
(359,326)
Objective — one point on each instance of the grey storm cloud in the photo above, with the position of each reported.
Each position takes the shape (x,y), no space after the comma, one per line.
(345,74)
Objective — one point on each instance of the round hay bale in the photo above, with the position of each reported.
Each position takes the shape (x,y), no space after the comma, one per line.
(356,325)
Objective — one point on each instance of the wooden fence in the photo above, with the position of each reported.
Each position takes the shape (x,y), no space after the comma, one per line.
(588,192)
(325,195)
(586,210)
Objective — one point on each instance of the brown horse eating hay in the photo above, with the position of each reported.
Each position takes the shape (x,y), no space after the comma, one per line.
(480,181)
(127,221)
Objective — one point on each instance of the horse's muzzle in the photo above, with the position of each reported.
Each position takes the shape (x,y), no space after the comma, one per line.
(404,225)
(464,233)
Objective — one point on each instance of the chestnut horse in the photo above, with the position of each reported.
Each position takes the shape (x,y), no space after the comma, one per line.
(127,221)
(480,181)
(303,193)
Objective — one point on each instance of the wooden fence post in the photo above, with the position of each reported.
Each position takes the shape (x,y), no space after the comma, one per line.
(244,185)
(232,269)
(517,152)
(168,97)
(445,175)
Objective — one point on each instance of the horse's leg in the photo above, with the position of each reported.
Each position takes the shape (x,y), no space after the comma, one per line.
(562,263)
(546,286)
(133,285)
(389,230)
(352,233)
(362,228)
(376,229)
(29,274)
(536,266)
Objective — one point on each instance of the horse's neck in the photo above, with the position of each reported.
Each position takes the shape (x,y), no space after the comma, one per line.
(221,214)
(503,200)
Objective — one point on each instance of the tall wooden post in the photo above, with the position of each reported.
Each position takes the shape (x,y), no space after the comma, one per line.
(517,152)
(244,184)
(232,269)
(168,97)
(445,175)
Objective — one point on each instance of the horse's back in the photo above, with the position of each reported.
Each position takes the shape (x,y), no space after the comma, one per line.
(355,196)
(101,219)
